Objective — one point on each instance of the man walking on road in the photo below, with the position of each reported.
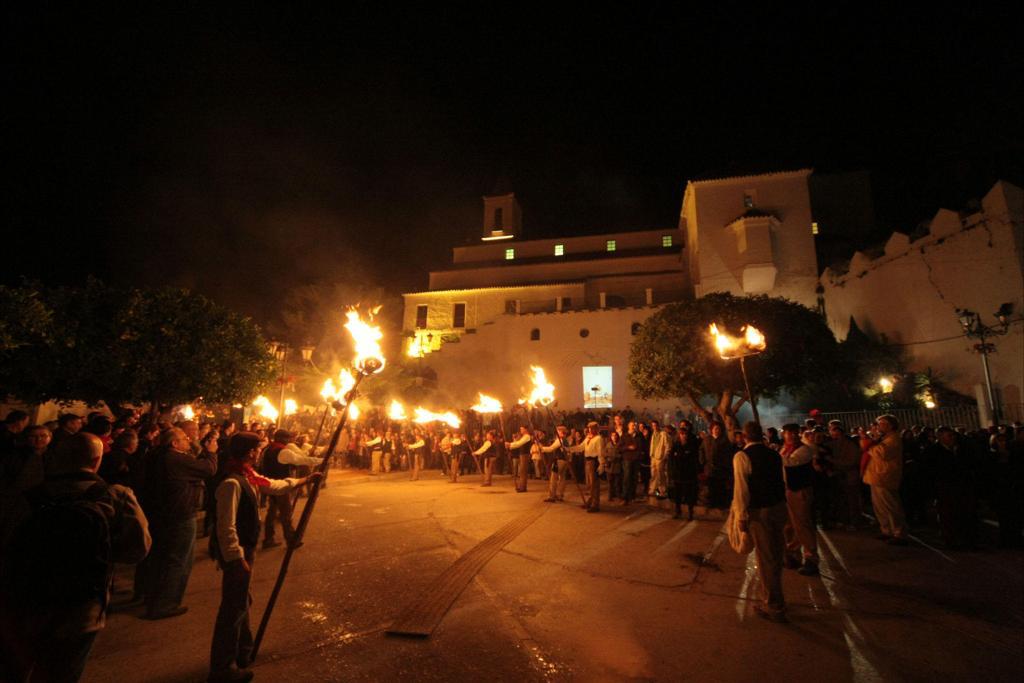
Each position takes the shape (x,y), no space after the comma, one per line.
(760,501)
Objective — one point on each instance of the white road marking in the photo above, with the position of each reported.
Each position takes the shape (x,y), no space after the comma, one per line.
(863,670)
(670,544)
(748,580)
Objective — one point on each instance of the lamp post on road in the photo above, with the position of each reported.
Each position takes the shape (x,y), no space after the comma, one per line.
(973,328)
(280,351)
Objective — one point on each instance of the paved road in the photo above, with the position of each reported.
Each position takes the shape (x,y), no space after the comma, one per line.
(629,594)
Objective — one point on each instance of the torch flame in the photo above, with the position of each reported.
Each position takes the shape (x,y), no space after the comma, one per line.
(729,346)
(328,392)
(290,406)
(723,342)
(396,411)
(369,357)
(543,391)
(755,340)
(267,410)
(449,418)
(353,412)
(487,405)
(186,412)
(415,349)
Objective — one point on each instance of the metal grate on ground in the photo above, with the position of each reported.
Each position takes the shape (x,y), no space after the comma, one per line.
(425,613)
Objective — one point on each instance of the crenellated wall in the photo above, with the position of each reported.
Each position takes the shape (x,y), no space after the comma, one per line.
(910,292)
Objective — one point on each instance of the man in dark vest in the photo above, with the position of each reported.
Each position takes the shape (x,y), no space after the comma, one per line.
(760,501)
(236,532)
(276,465)
(798,454)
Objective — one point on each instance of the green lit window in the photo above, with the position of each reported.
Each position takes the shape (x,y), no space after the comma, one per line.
(510,254)
(666,240)
(559,250)
(609,245)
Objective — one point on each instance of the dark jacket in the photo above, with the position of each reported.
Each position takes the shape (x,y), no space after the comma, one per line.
(175,484)
(684,460)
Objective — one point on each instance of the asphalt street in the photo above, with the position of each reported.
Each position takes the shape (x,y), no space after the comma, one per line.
(625,595)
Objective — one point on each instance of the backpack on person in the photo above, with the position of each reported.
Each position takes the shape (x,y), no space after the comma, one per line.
(61,554)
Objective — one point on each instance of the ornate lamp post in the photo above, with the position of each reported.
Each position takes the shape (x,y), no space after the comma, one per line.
(975,329)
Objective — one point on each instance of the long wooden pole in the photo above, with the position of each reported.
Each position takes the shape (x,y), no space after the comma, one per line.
(307,511)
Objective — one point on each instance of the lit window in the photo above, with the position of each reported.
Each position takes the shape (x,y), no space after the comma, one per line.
(559,250)
(610,245)
(666,240)
(597,386)
(814,228)
(510,254)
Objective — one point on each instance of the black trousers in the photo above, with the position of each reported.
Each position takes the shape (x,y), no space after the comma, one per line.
(232,637)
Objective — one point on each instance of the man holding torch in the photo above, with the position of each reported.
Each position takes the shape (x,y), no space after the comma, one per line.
(236,511)
(487,453)
(560,448)
(521,450)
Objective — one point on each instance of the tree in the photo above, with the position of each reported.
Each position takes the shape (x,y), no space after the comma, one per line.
(139,346)
(673,355)
(24,318)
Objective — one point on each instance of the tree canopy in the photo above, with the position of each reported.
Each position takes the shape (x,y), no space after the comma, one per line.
(673,355)
(100,343)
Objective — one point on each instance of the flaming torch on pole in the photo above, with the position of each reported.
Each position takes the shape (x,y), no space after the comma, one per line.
(369,360)
(729,348)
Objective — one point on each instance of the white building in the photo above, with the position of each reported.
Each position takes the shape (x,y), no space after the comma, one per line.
(910,292)
(572,304)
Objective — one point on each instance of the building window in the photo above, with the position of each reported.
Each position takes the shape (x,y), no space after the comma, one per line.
(566,303)
(510,254)
(499,219)
(666,240)
(584,332)
(535,334)
(609,245)
(421,317)
(634,329)
(559,250)
(814,228)
(510,306)
(597,386)
(748,199)
(459,315)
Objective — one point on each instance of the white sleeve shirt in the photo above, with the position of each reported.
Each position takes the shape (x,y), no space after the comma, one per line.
(291,455)
(483,448)
(520,442)
(228,493)
(741,487)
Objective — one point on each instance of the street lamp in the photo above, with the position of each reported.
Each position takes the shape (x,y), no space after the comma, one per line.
(730,348)
(975,329)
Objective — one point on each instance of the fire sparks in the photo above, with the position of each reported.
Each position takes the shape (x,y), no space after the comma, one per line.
(449,418)
(369,357)
(396,411)
(543,392)
(290,406)
(729,346)
(266,409)
(487,405)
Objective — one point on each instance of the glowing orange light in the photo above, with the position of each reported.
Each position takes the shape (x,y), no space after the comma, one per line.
(449,418)
(396,411)
(369,357)
(543,392)
(487,405)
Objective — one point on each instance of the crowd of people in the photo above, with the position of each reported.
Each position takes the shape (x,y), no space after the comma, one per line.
(84,493)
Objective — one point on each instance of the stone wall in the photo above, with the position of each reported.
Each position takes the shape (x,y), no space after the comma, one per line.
(910,292)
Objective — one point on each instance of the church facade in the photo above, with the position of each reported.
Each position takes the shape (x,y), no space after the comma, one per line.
(572,305)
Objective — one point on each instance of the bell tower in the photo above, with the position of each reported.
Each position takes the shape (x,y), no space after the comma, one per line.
(502,217)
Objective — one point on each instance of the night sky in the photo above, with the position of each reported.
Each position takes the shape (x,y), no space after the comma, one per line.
(243,153)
